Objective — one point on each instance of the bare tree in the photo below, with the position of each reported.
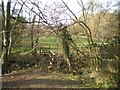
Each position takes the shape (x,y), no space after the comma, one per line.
(7,28)
(84,25)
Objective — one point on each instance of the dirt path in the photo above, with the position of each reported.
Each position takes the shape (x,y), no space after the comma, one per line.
(38,79)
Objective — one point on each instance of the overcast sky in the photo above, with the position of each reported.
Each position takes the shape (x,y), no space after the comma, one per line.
(72,4)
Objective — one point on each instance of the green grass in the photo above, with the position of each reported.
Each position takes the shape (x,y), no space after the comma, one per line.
(50,42)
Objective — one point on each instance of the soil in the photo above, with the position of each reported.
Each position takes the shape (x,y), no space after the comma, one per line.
(35,78)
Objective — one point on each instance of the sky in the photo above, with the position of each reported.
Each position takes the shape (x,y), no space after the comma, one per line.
(73,5)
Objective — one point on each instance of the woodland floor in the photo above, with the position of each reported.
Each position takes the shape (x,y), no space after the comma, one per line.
(35,78)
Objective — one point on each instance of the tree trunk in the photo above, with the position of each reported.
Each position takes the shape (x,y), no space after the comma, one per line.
(6,29)
(66,47)
(32,37)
